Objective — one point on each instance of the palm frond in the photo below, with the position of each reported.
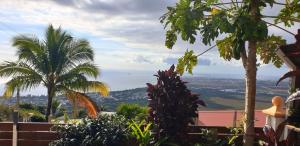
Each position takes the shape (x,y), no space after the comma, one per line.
(32,50)
(81,51)
(83,101)
(88,69)
(21,82)
(18,69)
(26,44)
(76,82)
(100,87)
(62,60)
(8,69)
(9,90)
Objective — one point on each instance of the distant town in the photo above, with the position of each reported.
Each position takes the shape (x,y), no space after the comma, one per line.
(218,93)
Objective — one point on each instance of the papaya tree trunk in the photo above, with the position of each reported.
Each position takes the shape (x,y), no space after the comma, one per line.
(250,95)
(49,105)
(250,81)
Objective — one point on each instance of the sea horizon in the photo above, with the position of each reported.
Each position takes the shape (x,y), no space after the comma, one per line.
(126,80)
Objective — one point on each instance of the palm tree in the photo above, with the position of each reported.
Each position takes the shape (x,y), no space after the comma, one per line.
(60,62)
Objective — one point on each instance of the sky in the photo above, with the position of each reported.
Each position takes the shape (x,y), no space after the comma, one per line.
(127,37)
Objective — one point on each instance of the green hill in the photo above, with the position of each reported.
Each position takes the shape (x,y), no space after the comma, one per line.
(217,93)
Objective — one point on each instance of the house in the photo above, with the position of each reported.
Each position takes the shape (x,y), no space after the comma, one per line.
(227,118)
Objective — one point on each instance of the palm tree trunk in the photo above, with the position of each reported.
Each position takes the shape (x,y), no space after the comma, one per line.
(250,95)
(49,105)
(18,99)
(75,109)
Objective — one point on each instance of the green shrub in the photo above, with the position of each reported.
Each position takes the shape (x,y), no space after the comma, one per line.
(28,113)
(41,109)
(141,132)
(5,112)
(60,112)
(132,111)
(82,113)
(38,118)
(105,130)
(210,138)
(172,106)
(27,106)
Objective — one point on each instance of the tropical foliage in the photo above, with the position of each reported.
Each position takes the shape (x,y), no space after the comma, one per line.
(60,62)
(210,138)
(273,137)
(172,106)
(5,112)
(233,26)
(132,111)
(141,132)
(104,130)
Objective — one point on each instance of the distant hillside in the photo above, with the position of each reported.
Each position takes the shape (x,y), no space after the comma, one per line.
(217,93)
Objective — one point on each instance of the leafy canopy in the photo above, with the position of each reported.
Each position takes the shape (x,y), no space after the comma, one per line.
(230,25)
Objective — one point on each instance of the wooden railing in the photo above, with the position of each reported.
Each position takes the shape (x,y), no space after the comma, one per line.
(40,134)
(222,133)
(28,134)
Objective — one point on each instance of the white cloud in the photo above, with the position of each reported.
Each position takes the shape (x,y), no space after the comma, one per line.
(133,24)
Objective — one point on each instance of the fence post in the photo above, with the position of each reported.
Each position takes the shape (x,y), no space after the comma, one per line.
(234,118)
(15,128)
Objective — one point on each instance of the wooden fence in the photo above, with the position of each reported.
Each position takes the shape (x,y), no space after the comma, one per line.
(223,133)
(40,134)
(28,134)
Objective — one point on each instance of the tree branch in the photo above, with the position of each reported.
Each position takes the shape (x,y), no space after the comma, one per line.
(244,58)
(218,5)
(279,27)
(284,18)
(228,3)
(278,3)
(207,50)
(240,2)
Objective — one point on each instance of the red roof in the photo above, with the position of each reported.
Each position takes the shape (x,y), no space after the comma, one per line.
(227,118)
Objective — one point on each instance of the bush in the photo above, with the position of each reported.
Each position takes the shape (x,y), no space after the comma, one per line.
(172,106)
(41,109)
(141,132)
(5,112)
(60,112)
(132,111)
(38,118)
(105,130)
(27,106)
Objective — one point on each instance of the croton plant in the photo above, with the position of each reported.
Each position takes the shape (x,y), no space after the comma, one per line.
(172,106)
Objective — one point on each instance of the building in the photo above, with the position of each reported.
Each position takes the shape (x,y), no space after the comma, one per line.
(227,118)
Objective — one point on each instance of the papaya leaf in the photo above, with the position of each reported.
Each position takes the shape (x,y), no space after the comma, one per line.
(183,20)
(267,48)
(209,2)
(291,10)
(187,62)
(225,48)
(171,38)
(218,24)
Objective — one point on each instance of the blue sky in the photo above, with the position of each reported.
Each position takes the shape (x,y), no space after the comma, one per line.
(126,34)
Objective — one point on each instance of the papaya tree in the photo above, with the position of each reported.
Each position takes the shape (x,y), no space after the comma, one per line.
(239,29)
